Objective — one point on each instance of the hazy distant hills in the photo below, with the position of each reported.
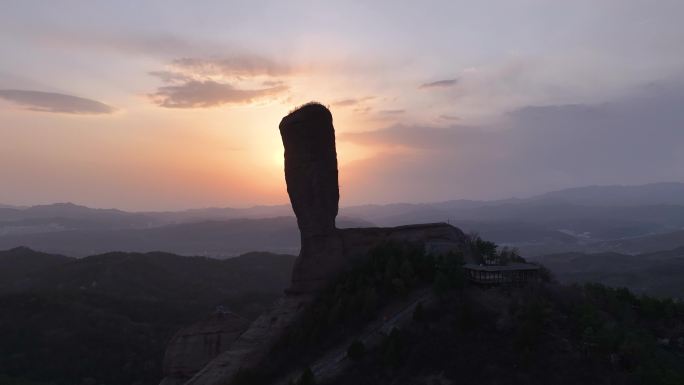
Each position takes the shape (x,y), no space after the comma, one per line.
(656,194)
(644,244)
(593,218)
(669,193)
(68,211)
(148,276)
(208,238)
(111,316)
(656,273)
(213,238)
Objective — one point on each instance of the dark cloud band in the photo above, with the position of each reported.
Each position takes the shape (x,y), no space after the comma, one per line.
(198,94)
(55,102)
(440,84)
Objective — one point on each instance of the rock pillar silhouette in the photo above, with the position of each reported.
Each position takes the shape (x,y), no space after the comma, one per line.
(311,174)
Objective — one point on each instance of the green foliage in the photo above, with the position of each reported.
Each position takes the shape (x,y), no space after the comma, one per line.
(115,333)
(391,271)
(449,273)
(530,321)
(391,349)
(419,313)
(6,380)
(544,274)
(546,334)
(65,337)
(486,252)
(246,376)
(356,350)
(307,378)
(617,324)
(482,250)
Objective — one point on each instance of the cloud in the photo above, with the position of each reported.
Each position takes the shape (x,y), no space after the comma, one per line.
(171,76)
(439,84)
(631,140)
(449,117)
(352,101)
(391,112)
(208,93)
(272,83)
(202,82)
(55,102)
(238,65)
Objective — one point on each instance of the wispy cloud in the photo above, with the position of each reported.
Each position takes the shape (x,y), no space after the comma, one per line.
(55,102)
(391,112)
(449,117)
(238,65)
(202,82)
(171,76)
(439,84)
(208,93)
(352,101)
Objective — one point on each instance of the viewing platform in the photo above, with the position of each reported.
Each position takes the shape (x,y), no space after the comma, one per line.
(516,274)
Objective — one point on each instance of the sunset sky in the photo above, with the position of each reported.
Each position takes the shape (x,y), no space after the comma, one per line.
(155,105)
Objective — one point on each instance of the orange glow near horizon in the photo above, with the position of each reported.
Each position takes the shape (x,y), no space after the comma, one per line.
(145,156)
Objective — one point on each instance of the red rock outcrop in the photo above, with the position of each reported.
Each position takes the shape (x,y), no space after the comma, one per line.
(194,346)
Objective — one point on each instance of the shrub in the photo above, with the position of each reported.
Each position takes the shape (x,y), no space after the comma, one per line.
(307,378)
(356,350)
(419,313)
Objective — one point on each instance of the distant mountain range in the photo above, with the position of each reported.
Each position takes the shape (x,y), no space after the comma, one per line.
(593,218)
(655,273)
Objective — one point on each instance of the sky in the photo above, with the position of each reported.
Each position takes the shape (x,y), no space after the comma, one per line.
(165,105)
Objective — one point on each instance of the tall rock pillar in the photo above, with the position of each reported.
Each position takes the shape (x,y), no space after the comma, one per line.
(311,175)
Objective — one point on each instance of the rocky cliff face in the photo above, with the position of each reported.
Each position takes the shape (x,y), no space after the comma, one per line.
(253,345)
(311,168)
(194,346)
(311,174)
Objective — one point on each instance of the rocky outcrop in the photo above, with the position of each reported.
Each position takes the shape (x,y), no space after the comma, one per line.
(311,168)
(437,238)
(194,346)
(252,346)
(311,175)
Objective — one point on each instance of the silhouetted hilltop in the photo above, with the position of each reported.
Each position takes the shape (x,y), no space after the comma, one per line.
(149,276)
(108,318)
(17,263)
(656,273)
(73,211)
